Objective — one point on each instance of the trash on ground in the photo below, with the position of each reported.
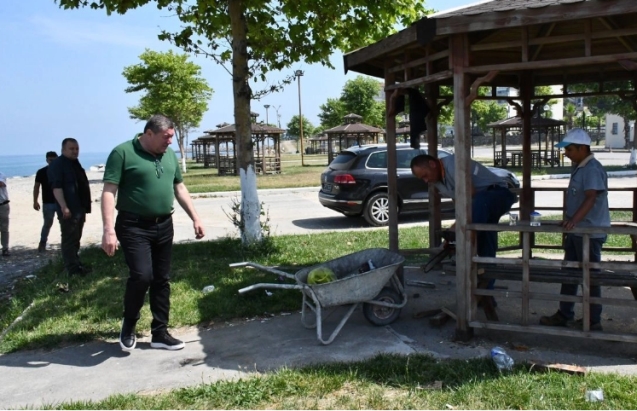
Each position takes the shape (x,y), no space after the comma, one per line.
(594,395)
(208,289)
(425,284)
(501,359)
(268,293)
(569,369)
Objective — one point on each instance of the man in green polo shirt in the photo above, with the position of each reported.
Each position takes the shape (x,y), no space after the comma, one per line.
(145,175)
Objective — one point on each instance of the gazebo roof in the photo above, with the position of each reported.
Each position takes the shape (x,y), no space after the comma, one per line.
(536,122)
(231,129)
(562,41)
(354,128)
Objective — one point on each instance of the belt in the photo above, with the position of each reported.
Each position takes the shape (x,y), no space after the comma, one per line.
(138,217)
(4,203)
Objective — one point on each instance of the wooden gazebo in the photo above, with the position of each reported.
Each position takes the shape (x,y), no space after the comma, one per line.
(351,132)
(318,145)
(548,131)
(507,43)
(267,148)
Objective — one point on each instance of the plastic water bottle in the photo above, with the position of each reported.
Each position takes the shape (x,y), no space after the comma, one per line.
(501,359)
(208,289)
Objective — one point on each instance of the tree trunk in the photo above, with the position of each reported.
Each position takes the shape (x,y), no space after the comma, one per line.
(250,206)
(182,150)
(627,132)
(632,161)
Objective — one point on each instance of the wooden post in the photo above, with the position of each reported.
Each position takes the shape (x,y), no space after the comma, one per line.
(462,146)
(435,223)
(392,179)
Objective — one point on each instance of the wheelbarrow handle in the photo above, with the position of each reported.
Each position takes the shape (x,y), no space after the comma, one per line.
(267,285)
(263,268)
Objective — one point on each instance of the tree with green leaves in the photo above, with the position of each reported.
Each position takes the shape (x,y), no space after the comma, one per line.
(360,96)
(172,86)
(256,37)
(294,127)
(332,113)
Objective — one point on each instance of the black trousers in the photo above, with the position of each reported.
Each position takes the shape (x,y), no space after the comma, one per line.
(71,229)
(147,249)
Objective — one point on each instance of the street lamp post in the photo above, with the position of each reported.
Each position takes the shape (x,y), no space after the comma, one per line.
(267,106)
(298,74)
(278,116)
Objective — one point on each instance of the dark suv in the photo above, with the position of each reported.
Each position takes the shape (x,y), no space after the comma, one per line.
(355,183)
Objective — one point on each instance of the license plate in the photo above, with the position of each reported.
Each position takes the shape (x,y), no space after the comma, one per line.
(327,186)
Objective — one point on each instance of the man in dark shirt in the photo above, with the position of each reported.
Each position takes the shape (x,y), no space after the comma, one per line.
(48,200)
(73,196)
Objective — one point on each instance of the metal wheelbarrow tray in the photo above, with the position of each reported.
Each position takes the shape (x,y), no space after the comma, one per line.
(381,304)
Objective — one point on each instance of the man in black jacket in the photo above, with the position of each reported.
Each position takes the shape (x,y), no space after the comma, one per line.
(73,196)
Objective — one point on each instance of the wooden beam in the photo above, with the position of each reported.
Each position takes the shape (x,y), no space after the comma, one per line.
(628,64)
(419,62)
(476,85)
(612,26)
(558,63)
(392,179)
(462,148)
(422,80)
(587,38)
(545,33)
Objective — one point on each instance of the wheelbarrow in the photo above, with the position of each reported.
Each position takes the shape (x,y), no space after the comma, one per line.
(378,289)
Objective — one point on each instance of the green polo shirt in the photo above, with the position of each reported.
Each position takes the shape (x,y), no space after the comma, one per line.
(145,182)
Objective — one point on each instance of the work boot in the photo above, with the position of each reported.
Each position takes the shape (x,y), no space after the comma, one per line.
(579,324)
(41,247)
(556,320)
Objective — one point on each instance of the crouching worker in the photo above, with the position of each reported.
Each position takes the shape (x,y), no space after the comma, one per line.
(490,197)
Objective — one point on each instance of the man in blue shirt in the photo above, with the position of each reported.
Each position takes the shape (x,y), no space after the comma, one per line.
(48,199)
(586,206)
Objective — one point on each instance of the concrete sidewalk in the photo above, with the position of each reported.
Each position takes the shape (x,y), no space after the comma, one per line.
(238,349)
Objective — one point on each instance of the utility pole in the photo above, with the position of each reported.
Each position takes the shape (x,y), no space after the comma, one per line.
(267,106)
(298,74)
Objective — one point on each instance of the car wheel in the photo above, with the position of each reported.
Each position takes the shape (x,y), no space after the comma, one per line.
(377,210)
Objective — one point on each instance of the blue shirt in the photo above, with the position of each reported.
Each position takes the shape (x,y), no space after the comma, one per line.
(589,175)
(481,177)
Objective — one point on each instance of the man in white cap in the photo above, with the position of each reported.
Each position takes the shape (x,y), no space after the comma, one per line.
(586,206)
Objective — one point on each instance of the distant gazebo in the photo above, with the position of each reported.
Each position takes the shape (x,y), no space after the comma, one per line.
(402,132)
(351,132)
(267,148)
(549,131)
(318,145)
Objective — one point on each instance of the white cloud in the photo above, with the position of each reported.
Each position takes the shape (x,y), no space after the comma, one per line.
(82,32)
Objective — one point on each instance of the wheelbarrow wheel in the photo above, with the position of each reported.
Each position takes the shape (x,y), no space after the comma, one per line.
(379,315)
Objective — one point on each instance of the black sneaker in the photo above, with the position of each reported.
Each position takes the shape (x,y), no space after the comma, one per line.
(556,320)
(166,341)
(127,338)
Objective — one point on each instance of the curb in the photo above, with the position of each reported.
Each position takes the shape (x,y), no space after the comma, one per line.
(610,174)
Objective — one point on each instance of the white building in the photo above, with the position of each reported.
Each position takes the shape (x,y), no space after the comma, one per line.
(615,135)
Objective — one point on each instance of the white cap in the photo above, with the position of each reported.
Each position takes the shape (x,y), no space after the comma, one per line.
(575,136)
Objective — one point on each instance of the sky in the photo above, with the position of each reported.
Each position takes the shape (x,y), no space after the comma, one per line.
(61,76)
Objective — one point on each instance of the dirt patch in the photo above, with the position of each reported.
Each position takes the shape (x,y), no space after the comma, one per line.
(20,264)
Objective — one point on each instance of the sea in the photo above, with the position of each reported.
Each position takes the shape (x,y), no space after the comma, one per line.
(27,165)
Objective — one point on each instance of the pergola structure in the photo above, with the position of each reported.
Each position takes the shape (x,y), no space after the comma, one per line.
(318,145)
(267,148)
(548,132)
(504,43)
(351,132)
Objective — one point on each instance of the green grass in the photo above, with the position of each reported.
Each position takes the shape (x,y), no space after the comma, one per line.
(391,382)
(91,310)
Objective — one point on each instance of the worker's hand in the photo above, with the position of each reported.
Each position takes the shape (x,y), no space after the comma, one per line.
(109,242)
(568,224)
(66,213)
(36,206)
(199,230)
